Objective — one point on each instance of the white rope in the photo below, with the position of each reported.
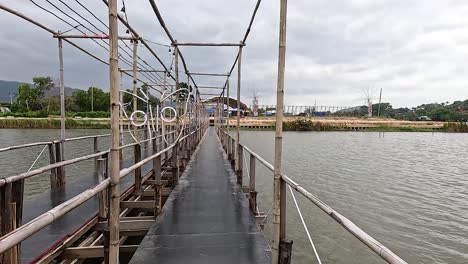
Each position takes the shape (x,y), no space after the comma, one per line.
(37,158)
(305,226)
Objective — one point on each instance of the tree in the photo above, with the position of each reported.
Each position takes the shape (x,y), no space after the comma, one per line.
(27,98)
(43,84)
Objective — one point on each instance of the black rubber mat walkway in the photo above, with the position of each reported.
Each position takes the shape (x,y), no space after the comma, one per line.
(206,219)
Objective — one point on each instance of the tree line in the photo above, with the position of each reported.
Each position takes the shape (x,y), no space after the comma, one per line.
(31,100)
(454,112)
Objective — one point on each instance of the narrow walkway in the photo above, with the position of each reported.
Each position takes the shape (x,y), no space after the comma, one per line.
(206,219)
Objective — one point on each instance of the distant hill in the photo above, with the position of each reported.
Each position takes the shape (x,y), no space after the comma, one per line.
(12,86)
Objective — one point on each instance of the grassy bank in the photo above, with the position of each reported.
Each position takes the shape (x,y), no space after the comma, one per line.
(52,123)
(309,125)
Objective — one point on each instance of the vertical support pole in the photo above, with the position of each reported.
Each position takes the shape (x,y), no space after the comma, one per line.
(175,153)
(121,125)
(137,173)
(102,196)
(228,143)
(58,158)
(253,192)
(96,150)
(134,75)
(380,101)
(53,172)
(240,164)
(157,180)
(62,111)
(175,162)
(279,186)
(239,147)
(8,223)
(114,204)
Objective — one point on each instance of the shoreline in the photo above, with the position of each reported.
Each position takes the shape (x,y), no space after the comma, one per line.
(260,124)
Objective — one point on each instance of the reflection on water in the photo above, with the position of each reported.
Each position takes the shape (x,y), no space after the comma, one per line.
(408,190)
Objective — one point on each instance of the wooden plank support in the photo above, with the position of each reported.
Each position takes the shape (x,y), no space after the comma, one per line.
(137,204)
(163,192)
(129,225)
(94,251)
(153,182)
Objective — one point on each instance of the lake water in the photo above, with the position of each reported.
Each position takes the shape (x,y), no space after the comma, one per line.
(407,190)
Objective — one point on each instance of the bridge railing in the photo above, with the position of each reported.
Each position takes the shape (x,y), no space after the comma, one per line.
(230,145)
(12,230)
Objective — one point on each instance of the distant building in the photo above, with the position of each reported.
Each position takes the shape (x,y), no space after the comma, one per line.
(4,109)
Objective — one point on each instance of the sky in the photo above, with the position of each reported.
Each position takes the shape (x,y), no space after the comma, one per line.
(415,51)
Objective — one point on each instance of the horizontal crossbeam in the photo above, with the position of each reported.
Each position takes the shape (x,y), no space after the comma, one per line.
(94,251)
(208,44)
(104,36)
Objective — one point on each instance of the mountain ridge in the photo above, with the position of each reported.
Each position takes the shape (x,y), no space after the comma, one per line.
(7,87)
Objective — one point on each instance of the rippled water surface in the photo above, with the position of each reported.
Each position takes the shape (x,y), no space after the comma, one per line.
(408,190)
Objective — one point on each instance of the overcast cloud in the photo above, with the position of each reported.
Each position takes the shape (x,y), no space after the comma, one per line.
(415,50)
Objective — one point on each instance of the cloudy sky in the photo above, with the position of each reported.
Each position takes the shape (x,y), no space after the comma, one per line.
(416,51)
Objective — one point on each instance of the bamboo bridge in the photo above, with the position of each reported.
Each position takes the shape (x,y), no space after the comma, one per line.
(177,193)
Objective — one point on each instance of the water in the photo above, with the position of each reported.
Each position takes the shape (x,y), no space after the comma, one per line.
(407,190)
(19,161)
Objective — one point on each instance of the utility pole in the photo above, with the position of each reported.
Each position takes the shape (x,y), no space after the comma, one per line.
(11,97)
(281,248)
(114,204)
(380,101)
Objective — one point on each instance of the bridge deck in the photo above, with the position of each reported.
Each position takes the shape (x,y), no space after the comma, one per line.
(206,219)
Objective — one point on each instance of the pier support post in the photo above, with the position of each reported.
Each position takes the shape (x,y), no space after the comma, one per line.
(53,172)
(285,252)
(58,158)
(175,164)
(137,173)
(96,150)
(102,197)
(157,179)
(7,219)
(253,192)
(240,164)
